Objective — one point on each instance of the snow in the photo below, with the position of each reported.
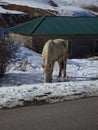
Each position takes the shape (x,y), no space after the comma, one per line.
(59,2)
(74,11)
(23,81)
(65,7)
(3,32)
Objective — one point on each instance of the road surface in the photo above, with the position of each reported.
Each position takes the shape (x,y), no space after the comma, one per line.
(70,115)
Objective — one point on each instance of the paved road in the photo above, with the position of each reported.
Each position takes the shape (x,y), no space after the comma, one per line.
(70,115)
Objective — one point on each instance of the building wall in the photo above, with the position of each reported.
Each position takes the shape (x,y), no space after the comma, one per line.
(79,45)
(82,47)
(96,47)
(40,40)
(27,40)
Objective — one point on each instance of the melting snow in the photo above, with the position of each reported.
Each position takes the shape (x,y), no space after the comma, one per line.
(23,81)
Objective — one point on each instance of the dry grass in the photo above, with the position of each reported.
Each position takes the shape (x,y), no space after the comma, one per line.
(92,8)
(7,20)
(13,19)
(30,10)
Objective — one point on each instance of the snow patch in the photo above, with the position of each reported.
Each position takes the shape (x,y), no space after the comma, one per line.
(23,81)
(64,7)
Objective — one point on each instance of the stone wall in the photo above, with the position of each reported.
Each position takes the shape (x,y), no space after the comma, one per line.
(27,40)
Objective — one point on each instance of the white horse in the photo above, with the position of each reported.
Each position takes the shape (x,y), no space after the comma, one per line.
(54,50)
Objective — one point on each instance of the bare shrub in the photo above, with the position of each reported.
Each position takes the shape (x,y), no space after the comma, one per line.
(7,51)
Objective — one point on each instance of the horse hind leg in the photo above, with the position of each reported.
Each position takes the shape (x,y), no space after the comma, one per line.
(64,67)
(60,68)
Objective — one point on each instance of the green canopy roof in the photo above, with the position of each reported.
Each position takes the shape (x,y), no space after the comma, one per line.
(58,25)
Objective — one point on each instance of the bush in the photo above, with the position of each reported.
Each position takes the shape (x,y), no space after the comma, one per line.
(7,51)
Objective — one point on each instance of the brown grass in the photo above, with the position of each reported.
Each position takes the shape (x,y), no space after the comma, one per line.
(7,20)
(30,10)
(13,19)
(92,8)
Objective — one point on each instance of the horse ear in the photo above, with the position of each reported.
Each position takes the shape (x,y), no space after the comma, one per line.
(43,66)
